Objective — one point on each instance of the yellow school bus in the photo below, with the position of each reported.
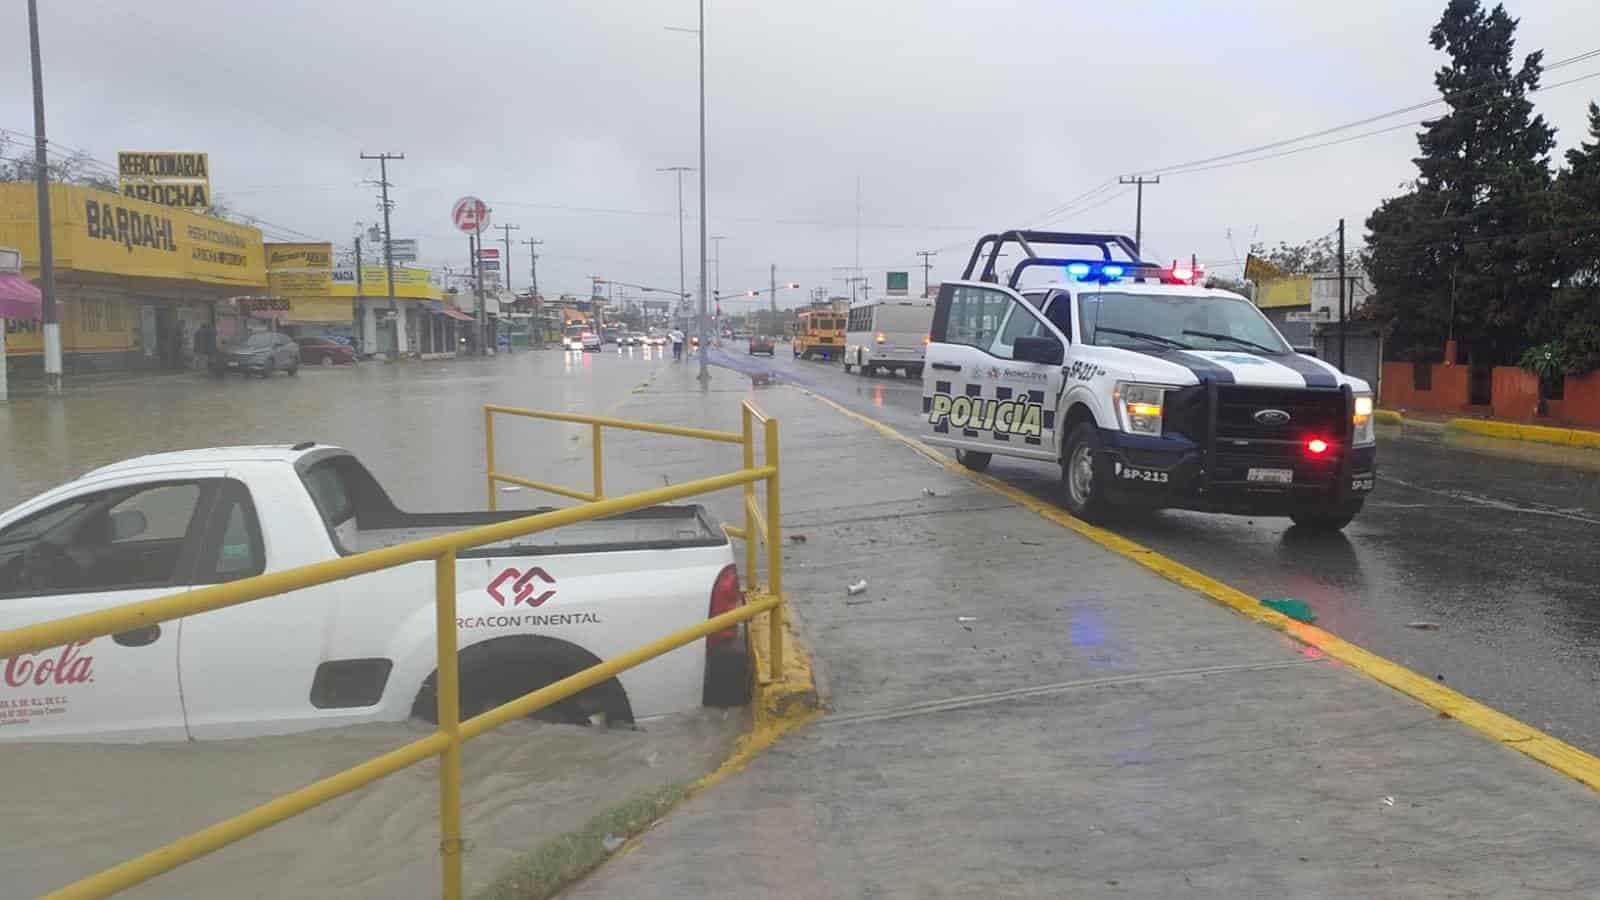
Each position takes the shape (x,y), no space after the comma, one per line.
(819,332)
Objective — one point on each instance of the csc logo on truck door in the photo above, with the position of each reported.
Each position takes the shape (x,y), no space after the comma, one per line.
(521,587)
(1022,416)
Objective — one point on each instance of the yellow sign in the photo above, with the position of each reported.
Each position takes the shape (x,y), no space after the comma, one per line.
(299,309)
(110,234)
(170,179)
(409,283)
(1294,290)
(300,270)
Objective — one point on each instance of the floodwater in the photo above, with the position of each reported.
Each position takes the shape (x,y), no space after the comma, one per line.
(72,809)
(418,426)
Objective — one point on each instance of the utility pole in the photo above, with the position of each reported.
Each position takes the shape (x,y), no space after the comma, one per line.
(506,242)
(41,180)
(1341,296)
(927,266)
(774,296)
(1138,210)
(533,265)
(361,331)
(683,291)
(388,243)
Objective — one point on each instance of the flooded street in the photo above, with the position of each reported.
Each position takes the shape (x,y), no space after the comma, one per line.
(418,426)
(75,808)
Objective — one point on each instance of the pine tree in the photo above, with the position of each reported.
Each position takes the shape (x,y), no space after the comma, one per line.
(1467,251)
(1573,321)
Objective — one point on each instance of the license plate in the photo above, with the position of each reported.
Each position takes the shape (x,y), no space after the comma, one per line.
(1270,476)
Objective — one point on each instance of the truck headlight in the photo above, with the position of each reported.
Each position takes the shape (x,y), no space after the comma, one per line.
(1365,431)
(1139,407)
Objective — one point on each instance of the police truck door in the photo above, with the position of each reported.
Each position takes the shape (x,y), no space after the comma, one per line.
(993,373)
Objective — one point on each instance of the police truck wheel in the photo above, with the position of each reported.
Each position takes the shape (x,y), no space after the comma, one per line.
(1082,486)
(974,460)
(1326,521)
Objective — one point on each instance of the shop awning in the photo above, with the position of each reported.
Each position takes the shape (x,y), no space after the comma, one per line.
(454,313)
(19,299)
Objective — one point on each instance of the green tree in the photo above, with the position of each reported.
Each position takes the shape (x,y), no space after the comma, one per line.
(1572,322)
(1305,258)
(1467,251)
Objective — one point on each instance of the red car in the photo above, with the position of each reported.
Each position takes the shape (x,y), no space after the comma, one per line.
(321,351)
(760,343)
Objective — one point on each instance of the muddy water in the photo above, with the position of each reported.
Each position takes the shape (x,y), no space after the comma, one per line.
(73,809)
(419,426)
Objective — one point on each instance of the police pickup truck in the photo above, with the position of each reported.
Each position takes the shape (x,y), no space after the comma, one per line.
(528,612)
(1147,389)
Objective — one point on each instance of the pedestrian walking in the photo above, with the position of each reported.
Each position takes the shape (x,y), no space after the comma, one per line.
(205,345)
(677,345)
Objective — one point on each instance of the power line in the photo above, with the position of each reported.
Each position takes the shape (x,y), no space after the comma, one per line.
(1377,118)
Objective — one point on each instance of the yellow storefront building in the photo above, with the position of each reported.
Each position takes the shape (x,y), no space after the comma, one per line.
(134,279)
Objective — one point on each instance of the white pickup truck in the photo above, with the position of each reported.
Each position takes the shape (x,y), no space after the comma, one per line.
(359,650)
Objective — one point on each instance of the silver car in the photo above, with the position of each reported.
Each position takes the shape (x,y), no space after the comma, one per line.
(259,354)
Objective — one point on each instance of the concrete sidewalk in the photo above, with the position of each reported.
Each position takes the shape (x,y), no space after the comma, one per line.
(1015,711)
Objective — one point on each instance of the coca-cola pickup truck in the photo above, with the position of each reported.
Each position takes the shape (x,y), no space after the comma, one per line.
(529,612)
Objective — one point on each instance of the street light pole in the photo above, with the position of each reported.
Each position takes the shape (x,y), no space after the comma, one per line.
(683,291)
(705,342)
(41,180)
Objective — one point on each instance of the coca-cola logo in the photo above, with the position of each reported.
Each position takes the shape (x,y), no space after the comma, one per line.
(62,665)
(522,587)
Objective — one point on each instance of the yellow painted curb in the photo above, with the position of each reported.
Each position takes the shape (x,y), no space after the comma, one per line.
(777,707)
(1555,753)
(1387,417)
(1515,431)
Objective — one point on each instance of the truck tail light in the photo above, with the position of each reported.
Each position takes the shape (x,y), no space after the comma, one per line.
(1316,446)
(880,337)
(726,596)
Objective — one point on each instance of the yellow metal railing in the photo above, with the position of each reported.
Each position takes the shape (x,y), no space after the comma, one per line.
(445,742)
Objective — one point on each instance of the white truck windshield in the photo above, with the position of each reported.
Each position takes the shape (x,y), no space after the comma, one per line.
(1176,321)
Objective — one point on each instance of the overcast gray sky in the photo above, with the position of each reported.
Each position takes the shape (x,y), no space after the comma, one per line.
(957,117)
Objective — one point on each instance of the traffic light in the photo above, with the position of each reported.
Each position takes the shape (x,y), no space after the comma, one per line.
(792,284)
(752,293)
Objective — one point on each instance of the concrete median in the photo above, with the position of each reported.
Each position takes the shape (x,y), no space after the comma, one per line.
(1016,710)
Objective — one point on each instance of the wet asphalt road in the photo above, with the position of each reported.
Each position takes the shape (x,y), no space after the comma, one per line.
(1503,554)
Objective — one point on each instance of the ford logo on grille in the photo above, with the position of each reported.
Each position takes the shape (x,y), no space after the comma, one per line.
(1272,417)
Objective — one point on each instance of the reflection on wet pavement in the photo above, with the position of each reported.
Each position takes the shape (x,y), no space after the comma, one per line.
(1492,541)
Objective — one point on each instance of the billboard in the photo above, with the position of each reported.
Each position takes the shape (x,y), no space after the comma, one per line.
(300,269)
(898,284)
(99,231)
(167,178)
(409,282)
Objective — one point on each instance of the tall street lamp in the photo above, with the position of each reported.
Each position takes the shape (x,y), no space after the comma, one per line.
(682,290)
(705,338)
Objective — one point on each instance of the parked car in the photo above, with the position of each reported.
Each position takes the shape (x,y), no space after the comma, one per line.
(530,610)
(320,351)
(259,354)
(760,343)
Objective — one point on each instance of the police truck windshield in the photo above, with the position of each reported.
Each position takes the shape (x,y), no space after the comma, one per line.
(1176,321)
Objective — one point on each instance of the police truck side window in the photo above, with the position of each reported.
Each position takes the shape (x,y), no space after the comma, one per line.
(975,315)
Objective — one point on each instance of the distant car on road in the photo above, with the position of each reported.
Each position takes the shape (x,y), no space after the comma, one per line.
(581,337)
(259,354)
(761,344)
(315,351)
(611,334)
